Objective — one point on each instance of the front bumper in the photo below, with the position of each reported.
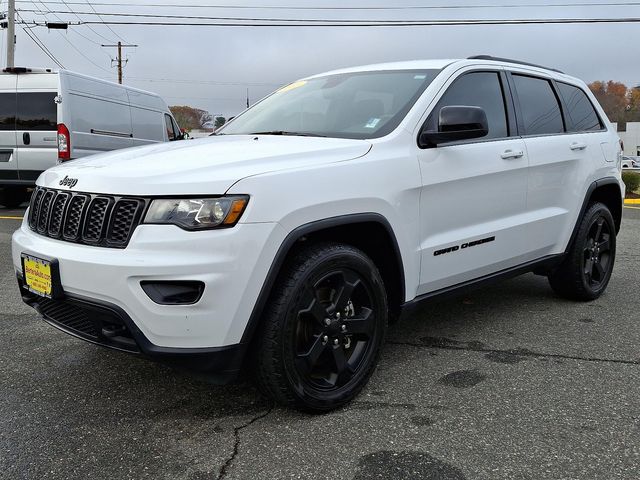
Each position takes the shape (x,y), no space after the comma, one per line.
(232,263)
(109,326)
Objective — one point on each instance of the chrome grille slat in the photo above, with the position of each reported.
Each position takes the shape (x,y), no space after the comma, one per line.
(91,219)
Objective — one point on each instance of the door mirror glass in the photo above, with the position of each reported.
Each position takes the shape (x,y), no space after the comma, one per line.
(455,123)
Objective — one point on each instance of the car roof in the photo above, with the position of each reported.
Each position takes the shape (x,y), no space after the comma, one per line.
(439,64)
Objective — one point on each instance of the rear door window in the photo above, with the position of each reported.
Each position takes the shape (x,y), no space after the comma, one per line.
(541,114)
(580,109)
(7,111)
(37,111)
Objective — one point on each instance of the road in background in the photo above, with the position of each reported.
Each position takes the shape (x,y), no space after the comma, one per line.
(508,382)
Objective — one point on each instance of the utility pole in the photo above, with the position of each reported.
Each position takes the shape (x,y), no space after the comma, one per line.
(120,46)
(11,34)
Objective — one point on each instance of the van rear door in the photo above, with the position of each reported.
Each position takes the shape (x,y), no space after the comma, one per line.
(36,128)
(8,161)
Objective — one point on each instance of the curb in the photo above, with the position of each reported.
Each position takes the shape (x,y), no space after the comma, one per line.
(632,201)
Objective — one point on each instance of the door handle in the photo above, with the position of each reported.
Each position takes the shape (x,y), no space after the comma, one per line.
(26,138)
(507,154)
(578,146)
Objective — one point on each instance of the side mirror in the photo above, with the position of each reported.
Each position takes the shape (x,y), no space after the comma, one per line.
(456,123)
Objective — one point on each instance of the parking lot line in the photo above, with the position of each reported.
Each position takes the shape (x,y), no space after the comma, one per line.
(632,208)
(11,218)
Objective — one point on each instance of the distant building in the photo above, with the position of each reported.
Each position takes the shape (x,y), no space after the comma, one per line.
(631,138)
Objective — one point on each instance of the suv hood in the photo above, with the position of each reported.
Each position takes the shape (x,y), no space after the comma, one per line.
(206,166)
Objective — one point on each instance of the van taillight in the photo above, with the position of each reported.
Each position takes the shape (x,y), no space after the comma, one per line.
(64,142)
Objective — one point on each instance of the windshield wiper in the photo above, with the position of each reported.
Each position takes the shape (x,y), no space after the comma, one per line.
(285,132)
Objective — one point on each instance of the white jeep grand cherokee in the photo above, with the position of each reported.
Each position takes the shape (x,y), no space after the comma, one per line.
(288,240)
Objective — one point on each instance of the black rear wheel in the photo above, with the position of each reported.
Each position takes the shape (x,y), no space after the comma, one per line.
(323,328)
(585,273)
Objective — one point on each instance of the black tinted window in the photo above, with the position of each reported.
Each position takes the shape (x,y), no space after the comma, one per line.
(7,111)
(37,111)
(541,112)
(579,108)
(477,89)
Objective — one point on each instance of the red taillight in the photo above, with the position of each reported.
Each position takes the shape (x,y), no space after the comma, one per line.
(64,142)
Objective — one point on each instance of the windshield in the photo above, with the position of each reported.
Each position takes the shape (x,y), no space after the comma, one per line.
(352,105)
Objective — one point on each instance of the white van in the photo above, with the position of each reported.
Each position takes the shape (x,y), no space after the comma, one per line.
(48,115)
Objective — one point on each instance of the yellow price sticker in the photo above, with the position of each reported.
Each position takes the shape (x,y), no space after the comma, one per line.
(293,86)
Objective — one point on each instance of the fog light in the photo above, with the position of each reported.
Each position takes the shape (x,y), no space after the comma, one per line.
(173,292)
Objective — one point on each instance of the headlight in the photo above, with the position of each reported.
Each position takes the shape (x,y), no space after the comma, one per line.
(197,213)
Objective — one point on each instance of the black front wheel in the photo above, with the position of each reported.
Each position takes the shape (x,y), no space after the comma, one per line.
(323,328)
(585,273)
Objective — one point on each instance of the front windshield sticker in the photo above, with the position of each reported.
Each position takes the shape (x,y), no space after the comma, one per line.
(419,77)
(372,123)
(293,86)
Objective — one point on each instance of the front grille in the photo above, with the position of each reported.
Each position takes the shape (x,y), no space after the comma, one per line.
(91,219)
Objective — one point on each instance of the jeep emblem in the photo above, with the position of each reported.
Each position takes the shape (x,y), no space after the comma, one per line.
(68,182)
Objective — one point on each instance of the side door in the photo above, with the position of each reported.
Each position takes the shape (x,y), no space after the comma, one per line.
(36,132)
(560,160)
(8,160)
(473,218)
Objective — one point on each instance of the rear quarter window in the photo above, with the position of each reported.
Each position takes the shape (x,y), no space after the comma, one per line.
(579,108)
(37,111)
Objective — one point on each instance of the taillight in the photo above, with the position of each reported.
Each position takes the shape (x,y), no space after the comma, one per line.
(64,142)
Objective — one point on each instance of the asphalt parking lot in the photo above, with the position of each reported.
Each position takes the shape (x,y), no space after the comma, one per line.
(508,382)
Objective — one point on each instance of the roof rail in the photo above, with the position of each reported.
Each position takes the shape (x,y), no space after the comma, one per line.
(18,70)
(518,62)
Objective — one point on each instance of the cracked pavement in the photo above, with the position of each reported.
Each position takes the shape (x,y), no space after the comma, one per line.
(507,382)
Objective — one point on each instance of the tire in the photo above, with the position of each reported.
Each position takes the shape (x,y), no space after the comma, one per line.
(586,271)
(323,328)
(13,197)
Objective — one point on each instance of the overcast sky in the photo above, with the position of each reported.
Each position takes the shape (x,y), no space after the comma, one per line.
(190,65)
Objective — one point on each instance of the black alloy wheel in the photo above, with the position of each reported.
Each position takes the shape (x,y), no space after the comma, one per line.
(323,329)
(597,253)
(586,270)
(334,334)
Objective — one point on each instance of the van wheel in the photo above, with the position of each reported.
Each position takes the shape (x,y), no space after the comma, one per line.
(585,273)
(323,328)
(13,197)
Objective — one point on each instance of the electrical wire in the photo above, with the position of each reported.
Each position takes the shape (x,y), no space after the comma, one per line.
(257,19)
(408,23)
(338,8)
(108,26)
(40,44)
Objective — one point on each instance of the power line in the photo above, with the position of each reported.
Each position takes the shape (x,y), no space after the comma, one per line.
(383,8)
(108,26)
(38,42)
(407,23)
(277,20)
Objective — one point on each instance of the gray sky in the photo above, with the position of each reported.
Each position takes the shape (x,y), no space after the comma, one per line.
(190,65)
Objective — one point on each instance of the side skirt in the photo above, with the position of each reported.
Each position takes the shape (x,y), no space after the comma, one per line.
(540,267)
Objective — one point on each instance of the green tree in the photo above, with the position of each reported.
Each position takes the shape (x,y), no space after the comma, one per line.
(219,121)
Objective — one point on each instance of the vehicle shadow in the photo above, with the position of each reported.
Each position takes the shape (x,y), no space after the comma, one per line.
(103,380)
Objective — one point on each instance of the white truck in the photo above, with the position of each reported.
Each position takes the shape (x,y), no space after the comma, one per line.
(287,241)
(48,115)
